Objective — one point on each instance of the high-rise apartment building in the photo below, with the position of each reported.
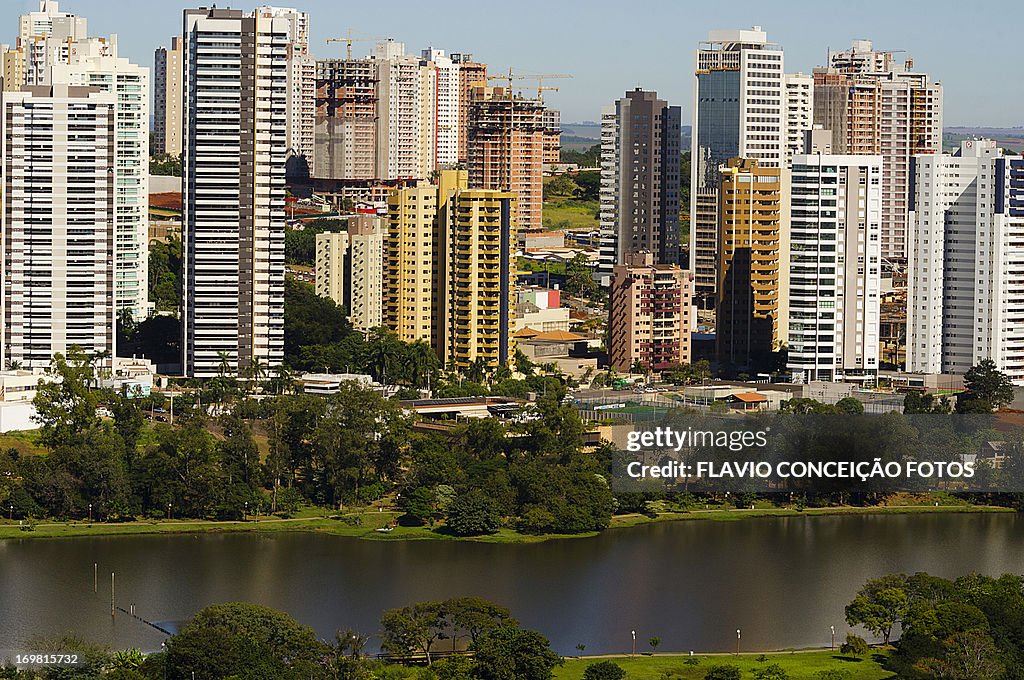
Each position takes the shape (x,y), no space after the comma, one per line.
(167,99)
(752,265)
(877,106)
(47,37)
(350,270)
(966,264)
(835,268)
(301,108)
(649,314)
(58,222)
(739,111)
(505,148)
(94,63)
(472,75)
(639,180)
(14,67)
(480,270)
(346,119)
(449,274)
(446,139)
(57,50)
(798,89)
(235,78)
(406,109)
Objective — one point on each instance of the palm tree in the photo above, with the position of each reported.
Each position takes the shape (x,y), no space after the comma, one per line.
(381,353)
(420,362)
(283,379)
(257,372)
(225,364)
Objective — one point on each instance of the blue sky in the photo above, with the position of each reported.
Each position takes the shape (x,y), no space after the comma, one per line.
(972,48)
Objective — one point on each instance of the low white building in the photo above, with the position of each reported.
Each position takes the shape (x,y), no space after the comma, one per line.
(17,390)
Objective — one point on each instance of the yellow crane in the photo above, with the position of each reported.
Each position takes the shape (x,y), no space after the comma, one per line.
(511,76)
(348,40)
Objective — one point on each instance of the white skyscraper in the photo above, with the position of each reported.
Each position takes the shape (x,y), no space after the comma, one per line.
(301,109)
(966,261)
(835,268)
(406,110)
(235,148)
(739,106)
(447,103)
(58,223)
(799,112)
(94,62)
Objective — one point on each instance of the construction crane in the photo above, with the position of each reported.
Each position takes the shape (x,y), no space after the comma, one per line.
(539,77)
(349,40)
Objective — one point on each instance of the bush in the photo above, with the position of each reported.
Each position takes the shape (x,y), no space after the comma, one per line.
(855,645)
(771,672)
(604,670)
(723,672)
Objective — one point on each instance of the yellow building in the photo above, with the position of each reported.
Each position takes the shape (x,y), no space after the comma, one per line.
(14,69)
(449,278)
(752,263)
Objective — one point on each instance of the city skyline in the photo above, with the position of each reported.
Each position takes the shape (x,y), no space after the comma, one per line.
(658,58)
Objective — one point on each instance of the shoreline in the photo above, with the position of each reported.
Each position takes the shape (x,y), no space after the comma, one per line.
(364,525)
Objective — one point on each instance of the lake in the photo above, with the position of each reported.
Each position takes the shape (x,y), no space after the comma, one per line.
(782,581)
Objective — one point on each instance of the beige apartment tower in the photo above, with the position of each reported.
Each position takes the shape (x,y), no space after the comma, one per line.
(350,270)
(167,99)
(877,106)
(752,264)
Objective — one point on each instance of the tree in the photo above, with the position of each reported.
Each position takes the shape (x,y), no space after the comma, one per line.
(511,653)
(414,629)
(604,670)
(579,279)
(244,641)
(985,381)
(473,514)
(969,655)
(473,617)
(654,642)
(723,672)
(65,405)
(855,645)
(850,406)
(877,611)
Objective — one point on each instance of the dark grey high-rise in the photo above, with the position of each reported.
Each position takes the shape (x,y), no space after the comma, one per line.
(639,180)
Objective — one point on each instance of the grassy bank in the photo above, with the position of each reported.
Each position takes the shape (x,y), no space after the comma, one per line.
(365,523)
(799,665)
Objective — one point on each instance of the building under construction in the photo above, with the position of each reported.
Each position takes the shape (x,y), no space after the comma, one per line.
(505,149)
(346,119)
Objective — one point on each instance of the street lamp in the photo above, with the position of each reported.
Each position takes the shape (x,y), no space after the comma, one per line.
(245,513)
(168,511)
(737,641)
(833,628)
(90,512)
(634,643)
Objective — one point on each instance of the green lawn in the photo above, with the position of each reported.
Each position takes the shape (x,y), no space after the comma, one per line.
(798,665)
(566,213)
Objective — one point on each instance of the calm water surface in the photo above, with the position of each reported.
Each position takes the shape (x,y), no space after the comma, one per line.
(783,581)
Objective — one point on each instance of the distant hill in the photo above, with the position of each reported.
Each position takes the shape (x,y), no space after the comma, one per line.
(1011,139)
(581,135)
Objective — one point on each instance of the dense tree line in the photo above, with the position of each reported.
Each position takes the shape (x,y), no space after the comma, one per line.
(351,447)
(165,164)
(253,642)
(971,628)
(165,274)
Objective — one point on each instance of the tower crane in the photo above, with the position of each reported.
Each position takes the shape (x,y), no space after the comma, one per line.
(348,40)
(539,77)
